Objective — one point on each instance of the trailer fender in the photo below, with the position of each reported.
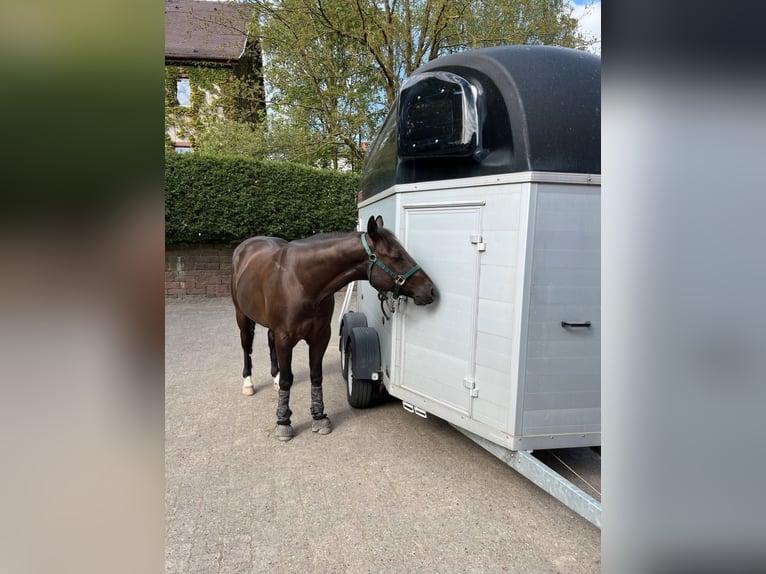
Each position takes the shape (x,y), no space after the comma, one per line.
(350,320)
(365,352)
(348,323)
(361,367)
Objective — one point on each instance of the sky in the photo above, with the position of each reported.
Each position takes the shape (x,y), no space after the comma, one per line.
(589,17)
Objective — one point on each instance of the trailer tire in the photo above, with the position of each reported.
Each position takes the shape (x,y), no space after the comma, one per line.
(358,391)
(363,350)
(350,321)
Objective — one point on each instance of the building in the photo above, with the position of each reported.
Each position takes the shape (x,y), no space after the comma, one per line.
(213,68)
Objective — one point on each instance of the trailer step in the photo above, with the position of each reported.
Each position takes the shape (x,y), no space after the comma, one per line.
(410,408)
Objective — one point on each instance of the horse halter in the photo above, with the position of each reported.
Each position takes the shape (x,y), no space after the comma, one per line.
(398,279)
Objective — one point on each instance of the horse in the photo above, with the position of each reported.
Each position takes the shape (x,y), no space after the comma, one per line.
(289,287)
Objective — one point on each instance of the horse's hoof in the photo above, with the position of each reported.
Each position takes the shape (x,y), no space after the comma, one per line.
(322,426)
(284,432)
(247,387)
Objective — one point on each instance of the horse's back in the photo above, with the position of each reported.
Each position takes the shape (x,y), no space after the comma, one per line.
(253,262)
(257,251)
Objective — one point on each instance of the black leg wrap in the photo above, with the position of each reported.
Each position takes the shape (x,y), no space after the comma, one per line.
(317,404)
(283,409)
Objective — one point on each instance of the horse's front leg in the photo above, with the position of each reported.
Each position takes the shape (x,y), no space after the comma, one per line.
(284,349)
(317,348)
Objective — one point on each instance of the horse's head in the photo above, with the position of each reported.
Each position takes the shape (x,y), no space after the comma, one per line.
(392,268)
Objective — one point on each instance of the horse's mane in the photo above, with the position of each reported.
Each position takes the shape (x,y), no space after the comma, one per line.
(384,234)
(327,235)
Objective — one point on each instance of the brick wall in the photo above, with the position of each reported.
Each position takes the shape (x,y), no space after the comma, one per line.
(201,270)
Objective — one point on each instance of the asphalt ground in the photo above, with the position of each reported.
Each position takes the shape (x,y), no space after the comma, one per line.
(386,491)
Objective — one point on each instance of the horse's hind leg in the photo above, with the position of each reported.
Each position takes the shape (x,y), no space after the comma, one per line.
(317,348)
(274,360)
(246,334)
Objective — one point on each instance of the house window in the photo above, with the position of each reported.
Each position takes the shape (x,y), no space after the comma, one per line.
(182,147)
(183,92)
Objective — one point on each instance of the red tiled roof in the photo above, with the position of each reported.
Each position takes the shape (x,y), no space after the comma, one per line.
(197,30)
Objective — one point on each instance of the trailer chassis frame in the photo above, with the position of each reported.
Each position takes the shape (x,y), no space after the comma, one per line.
(544,477)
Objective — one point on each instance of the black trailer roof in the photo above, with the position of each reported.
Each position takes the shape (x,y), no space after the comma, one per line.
(539,110)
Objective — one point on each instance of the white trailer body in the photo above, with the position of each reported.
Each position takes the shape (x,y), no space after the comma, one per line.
(512,257)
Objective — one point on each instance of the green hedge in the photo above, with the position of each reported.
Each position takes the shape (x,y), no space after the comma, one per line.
(225,199)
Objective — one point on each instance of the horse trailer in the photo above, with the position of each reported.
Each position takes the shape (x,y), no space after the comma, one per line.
(488,170)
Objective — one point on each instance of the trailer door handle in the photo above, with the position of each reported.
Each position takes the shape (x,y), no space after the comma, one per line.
(566,324)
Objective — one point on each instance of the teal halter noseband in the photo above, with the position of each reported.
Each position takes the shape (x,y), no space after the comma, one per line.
(398,279)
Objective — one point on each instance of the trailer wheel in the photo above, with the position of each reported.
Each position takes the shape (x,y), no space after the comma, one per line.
(358,391)
(351,320)
(344,358)
(362,360)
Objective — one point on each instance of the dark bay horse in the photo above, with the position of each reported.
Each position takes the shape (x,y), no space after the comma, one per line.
(289,287)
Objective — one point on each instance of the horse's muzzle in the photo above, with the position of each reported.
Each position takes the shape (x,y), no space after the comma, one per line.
(426,297)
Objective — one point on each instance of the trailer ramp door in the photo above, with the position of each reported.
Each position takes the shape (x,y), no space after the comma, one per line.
(437,343)
(562,379)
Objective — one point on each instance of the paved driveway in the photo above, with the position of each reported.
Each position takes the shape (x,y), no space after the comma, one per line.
(385,492)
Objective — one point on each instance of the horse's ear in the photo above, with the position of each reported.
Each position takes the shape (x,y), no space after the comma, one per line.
(379,222)
(372,228)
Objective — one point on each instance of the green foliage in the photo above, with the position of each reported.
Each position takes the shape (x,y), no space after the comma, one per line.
(296,201)
(232,138)
(216,93)
(208,198)
(225,199)
(284,141)
(323,88)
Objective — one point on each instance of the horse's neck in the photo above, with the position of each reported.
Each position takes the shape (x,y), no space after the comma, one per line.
(333,263)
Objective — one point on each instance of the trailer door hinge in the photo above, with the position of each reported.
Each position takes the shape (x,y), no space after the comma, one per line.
(477,240)
(470,384)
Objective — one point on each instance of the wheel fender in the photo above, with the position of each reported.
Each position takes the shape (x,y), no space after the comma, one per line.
(365,352)
(350,320)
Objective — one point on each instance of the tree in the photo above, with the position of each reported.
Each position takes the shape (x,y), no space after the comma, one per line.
(334,67)
(319,82)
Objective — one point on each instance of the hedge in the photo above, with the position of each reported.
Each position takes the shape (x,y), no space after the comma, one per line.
(225,199)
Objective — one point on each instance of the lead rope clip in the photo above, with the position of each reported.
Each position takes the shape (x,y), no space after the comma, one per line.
(385,301)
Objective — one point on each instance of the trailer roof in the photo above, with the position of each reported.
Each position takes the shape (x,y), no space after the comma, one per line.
(540,111)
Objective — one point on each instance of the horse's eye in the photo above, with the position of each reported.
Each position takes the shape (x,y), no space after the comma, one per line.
(397,258)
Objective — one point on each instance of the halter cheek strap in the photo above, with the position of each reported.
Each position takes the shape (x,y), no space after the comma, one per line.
(398,279)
